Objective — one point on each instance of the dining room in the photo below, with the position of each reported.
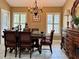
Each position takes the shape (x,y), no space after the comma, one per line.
(38,29)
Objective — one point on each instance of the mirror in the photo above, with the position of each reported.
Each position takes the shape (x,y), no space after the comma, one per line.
(74,8)
(77,10)
(74,12)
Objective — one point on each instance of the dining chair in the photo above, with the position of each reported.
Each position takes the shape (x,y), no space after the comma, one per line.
(47,41)
(10,41)
(25,42)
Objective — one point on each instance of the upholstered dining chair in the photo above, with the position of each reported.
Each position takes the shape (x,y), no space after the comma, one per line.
(25,42)
(10,41)
(47,41)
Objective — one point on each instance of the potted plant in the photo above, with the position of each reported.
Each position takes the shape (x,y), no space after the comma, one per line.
(76,21)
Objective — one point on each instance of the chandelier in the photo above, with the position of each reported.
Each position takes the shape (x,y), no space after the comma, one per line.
(35,11)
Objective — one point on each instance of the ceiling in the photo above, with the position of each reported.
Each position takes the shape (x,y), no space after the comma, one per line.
(40,3)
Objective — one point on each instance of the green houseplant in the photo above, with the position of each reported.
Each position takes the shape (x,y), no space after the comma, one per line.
(76,21)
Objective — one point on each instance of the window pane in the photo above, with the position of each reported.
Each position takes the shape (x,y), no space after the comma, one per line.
(50,18)
(56,28)
(22,26)
(16,24)
(16,18)
(56,18)
(49,28)
(56,22)
(23,18)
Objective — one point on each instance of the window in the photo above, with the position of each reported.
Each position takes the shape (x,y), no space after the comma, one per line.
(49,23)
(56,23)
(19,19)
(53,20)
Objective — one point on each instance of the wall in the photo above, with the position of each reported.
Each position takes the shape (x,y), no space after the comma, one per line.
(66,11)
(41,24)
(68,5)
(3,5)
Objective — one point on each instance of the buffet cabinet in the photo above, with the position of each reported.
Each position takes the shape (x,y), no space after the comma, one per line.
(70,43)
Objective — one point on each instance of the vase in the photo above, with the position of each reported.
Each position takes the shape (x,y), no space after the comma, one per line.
(76,26)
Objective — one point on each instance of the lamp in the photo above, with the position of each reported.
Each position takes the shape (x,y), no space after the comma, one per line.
(35,11)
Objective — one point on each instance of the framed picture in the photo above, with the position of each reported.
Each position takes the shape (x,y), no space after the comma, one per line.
(36,17)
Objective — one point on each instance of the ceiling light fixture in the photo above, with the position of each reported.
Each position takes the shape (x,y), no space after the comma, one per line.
(35,11)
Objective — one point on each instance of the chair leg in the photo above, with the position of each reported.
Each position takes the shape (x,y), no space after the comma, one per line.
(51,48)
(16,52)
(5,51)
(40,48)
(30,53)
(20,53)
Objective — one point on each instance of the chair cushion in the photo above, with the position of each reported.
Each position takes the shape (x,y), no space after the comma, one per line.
(46,41)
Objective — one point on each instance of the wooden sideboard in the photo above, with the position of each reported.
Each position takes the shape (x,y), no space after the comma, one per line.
(70,43)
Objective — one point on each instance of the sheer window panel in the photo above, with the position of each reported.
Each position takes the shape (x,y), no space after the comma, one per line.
(49,28)
(22,26)
(16,18)
(23,18)
(56,18)
(50,18)
(15,24)
(56,27)
(56,22)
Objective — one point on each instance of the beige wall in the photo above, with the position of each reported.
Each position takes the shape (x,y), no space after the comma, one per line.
(4,4)
(68,5)
(41,24)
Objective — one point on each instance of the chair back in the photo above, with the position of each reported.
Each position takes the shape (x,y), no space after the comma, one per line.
(51,36)
(25,37)
(10,38)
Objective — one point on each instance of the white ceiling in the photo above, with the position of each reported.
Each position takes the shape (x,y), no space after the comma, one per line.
(40,3)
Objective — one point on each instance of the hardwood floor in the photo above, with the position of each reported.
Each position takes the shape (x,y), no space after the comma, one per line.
(46,54)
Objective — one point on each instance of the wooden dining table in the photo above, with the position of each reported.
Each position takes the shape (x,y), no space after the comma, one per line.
(36,38)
